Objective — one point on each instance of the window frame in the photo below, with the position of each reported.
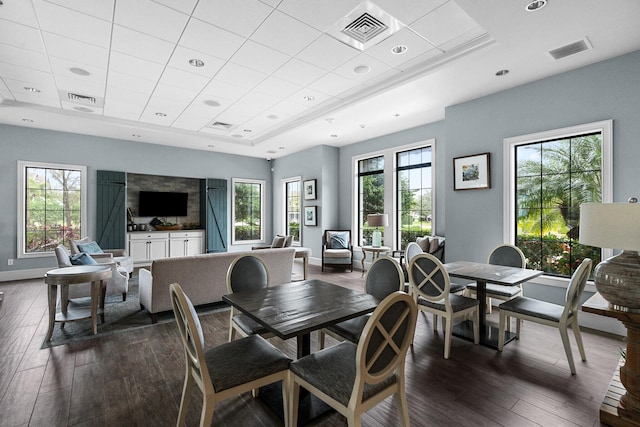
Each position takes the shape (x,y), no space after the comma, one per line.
(22,217)
(390,181)
(262,184)
(605,127)
(285,216)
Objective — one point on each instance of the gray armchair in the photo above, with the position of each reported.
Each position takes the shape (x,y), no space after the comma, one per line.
(337,249)
(119,256)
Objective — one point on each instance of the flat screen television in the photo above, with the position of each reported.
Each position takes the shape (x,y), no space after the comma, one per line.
(162,203)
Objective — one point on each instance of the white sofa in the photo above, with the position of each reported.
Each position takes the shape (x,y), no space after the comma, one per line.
(203,277)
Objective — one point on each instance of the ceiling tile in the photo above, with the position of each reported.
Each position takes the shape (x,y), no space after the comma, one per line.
(296,37)
(33,77)
(408,11)
(165,92)
(62,68)
(123,110)
(72,24)
(25,58)
(141,45)
(327,53)
(151,18)
(239,75)
(299,72)
(346,70)
(184,6)
(239,17)
(259,57)
(190,119)
(130,84)
(217,89)
(320,14)
(20,36)
(463,39)
(115,94)
(210,39)
(102,9)
(20,12)
(444,24)
(80,87)
(183,80)
(74,50)
(45,84)
(332,84)
(211,110)
(181,57)
(277,87)
(318,98)
(134,66)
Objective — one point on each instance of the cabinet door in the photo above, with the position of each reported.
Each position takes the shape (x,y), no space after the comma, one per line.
(193,245)
(157,248)
(138,250)
(177,247)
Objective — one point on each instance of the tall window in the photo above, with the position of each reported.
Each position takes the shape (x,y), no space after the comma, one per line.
(52,206)
(415,195)
(552,177)
(292,209)
(248,210)
(370,194)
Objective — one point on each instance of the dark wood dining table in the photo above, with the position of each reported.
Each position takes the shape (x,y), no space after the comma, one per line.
(483,274)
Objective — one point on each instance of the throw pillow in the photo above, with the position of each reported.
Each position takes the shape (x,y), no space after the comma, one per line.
(82,259)
(423,242)
(339,241)
(90,248)
(278,242)
(434,245)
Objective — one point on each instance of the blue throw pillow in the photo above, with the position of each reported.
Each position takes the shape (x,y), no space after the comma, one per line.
(340,241)
(82,259)
(90,248)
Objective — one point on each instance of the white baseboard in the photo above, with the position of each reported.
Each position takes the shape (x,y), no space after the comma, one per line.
(35,273)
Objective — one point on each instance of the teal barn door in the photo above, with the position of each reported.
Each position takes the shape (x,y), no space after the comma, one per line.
(213,213)
(111,210)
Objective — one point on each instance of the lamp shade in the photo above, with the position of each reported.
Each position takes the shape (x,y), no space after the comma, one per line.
(610,225)
(378,220)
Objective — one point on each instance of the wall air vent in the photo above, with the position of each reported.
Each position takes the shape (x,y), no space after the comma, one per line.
(570,49)
(366,26)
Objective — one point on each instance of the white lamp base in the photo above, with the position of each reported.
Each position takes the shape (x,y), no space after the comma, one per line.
(376,239)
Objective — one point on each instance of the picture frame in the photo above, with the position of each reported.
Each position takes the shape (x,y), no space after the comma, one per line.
(309,189)
(311,215)
(472,172)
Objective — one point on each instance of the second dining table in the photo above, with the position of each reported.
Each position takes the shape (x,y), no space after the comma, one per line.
(483,274)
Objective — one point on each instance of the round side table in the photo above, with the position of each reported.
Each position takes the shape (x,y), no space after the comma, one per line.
(375,253)
(64,277)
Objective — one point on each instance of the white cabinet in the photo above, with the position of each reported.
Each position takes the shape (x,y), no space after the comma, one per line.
(185,243)
(145,247)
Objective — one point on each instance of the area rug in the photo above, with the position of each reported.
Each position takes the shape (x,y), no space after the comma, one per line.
(119,316)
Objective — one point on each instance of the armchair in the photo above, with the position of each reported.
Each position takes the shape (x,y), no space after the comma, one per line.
(337,249)
(119,256)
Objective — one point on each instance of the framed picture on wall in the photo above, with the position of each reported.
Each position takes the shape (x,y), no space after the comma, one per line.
(310,215)
(309,187)
(471,172)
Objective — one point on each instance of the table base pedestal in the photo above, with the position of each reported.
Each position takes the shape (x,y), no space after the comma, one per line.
(488,334)
(310,408)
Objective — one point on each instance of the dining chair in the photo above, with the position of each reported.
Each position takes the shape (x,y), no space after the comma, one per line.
(384,277)
(431,288)
(225,371)
(246,273)
(546,313)
(353,378)
(509,256)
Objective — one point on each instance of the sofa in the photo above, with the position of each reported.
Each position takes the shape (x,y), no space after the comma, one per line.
(203,277)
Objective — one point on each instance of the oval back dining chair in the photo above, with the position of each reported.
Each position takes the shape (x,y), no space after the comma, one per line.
(354,378)
(431,288)
(227,370)
(546,313)
(509,256)
(246,273)
(384,277)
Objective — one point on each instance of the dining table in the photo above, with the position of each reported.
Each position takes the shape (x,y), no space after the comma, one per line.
(294,310)
(482,274)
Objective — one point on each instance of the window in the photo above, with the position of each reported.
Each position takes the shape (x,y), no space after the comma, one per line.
(370,194)
(552,174)
(415,195)
(292,209)
(248,210)
(52,206)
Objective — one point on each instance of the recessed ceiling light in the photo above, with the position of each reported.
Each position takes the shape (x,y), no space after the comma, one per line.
(396,115)
(502,73)
(399,50)
(272,116)
(247,130)
(362,69)
(79,71)
(161,115)
(280,148)
(135,135)
(27,120)
(536,5)
(363,126)
(308,97)
(212,103)
(31,89)
(333,135)
(211,146)
(196,62)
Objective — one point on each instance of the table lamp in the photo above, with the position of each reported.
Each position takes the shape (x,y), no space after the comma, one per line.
(377,220)
(615,226)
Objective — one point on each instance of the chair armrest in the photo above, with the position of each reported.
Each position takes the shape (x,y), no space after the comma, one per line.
(145,286)
(102,258)
(116,252)
(260,247)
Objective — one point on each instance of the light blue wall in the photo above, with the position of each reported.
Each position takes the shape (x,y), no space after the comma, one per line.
(17,143)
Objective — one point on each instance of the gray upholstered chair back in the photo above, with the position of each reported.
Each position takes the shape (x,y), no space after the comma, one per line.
(412,250)
(576,287)
(507,255)
(246,273)
(384,277)
(63,257)
(429,278)
(386,337)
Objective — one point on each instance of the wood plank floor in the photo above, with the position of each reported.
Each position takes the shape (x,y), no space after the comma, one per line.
(135,378)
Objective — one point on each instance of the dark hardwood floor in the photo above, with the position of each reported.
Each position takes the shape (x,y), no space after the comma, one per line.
(135,378)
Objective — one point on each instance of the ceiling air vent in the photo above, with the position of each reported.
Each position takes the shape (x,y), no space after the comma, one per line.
(570,49)
(366,26)
(82,99)
(220,126)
